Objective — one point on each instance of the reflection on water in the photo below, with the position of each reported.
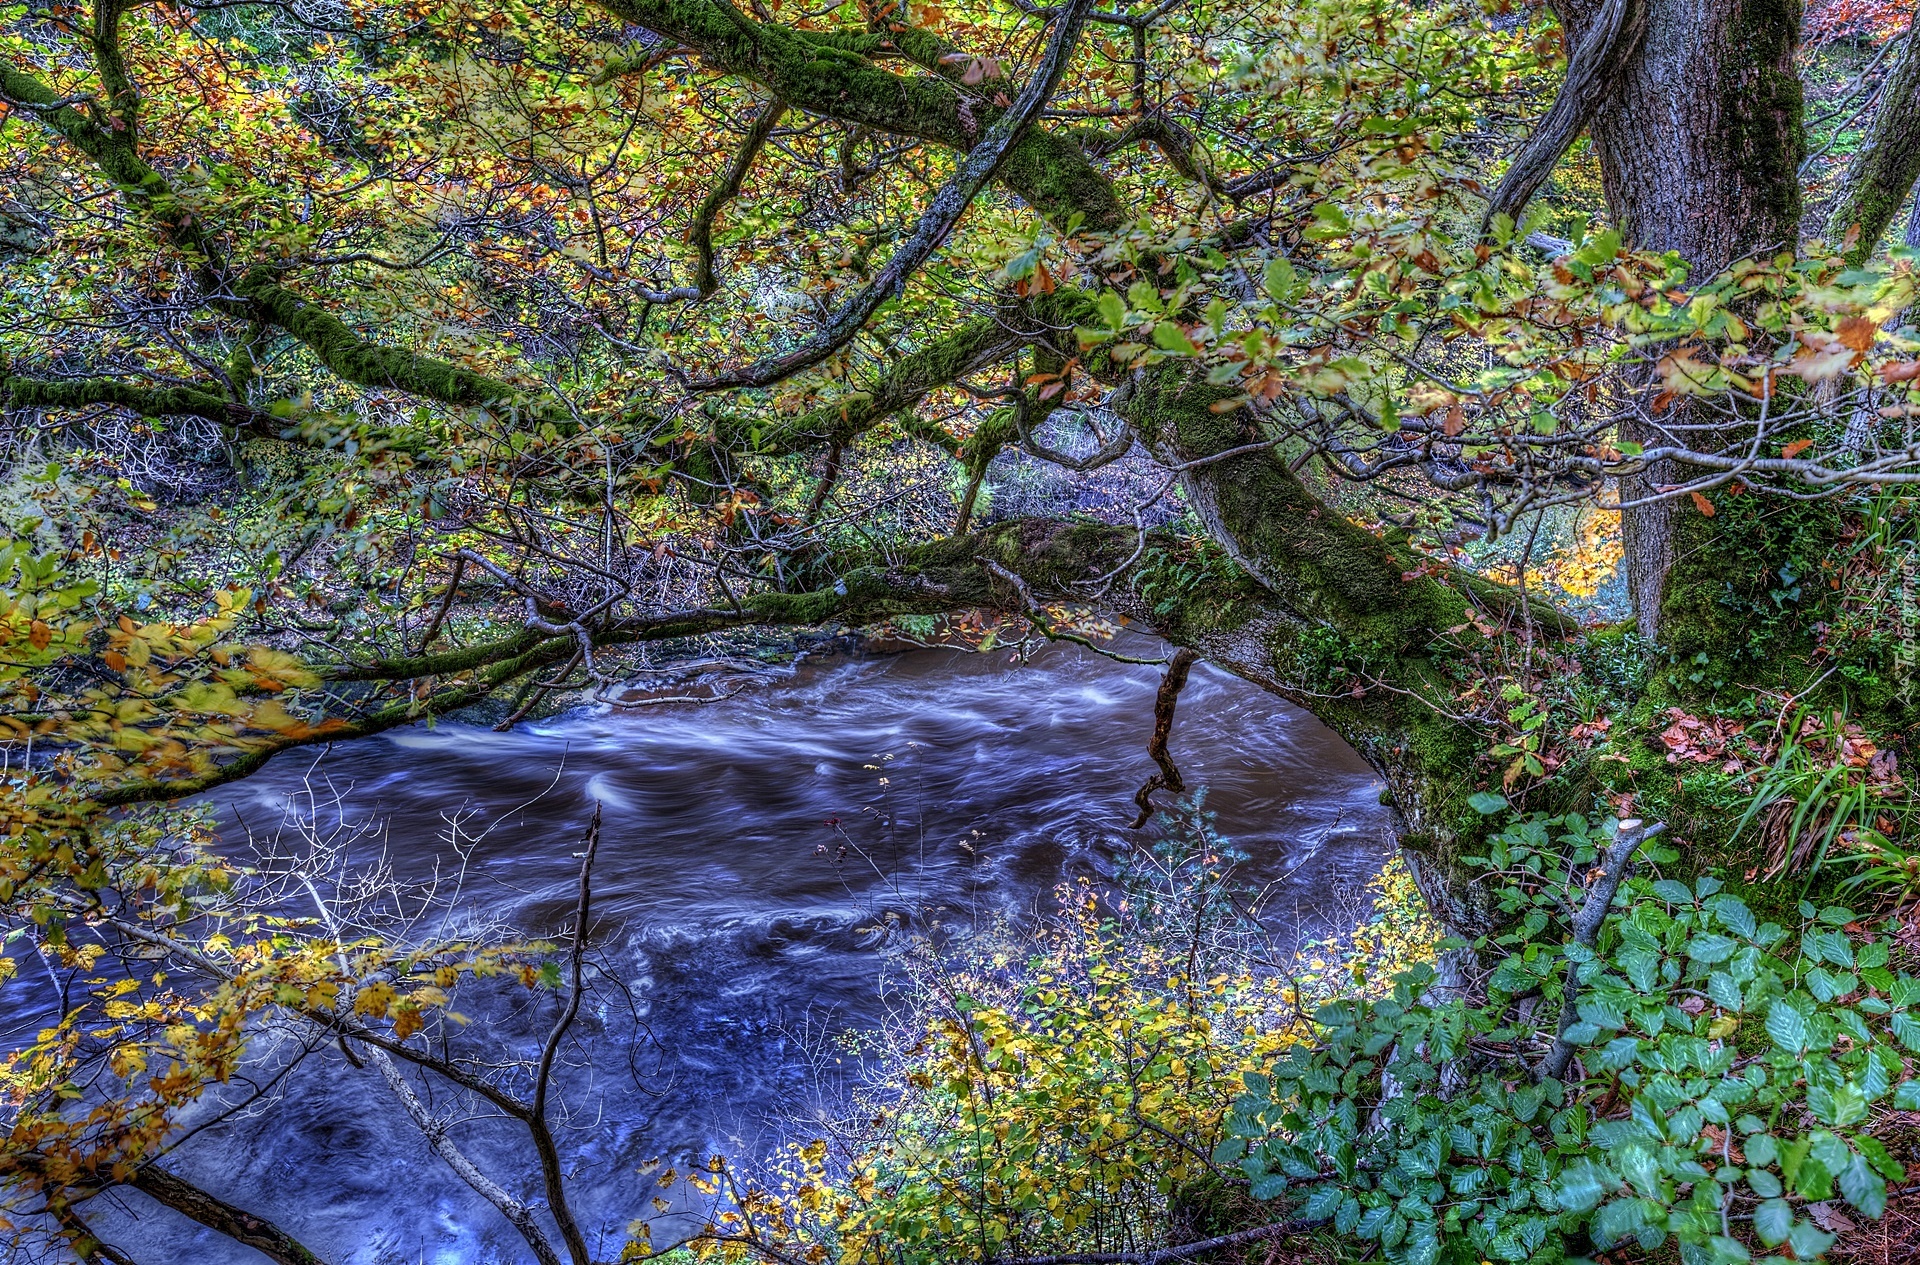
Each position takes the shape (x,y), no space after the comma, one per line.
(749,851)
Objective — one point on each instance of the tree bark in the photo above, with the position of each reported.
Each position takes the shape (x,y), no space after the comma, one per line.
(258,1233)
(1700,143)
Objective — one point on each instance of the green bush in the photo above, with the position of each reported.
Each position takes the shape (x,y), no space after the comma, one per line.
(1726,1070)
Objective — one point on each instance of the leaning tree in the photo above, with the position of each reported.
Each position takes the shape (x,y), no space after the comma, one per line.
(546,331)
(478,256)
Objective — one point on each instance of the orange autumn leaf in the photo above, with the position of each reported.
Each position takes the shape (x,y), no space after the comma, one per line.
(1702,504)
(1857,332)
(1795,448)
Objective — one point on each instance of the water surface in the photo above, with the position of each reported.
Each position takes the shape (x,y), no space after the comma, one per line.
(750,851)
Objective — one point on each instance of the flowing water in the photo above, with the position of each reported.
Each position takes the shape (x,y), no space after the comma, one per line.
(751,852)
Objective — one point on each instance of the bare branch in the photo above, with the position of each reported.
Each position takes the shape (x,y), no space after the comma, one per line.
(435,1131)
(1614,867)
(1164,702)
(543,1072)
(1165,1255)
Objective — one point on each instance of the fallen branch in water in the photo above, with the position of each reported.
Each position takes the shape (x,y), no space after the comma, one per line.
(1168,778)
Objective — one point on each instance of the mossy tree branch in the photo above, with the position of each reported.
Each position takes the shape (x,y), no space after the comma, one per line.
(258,296)
(974,346)
(728,188)
(1885,167)
(146,401)
(822,77)
(1352,626)
(976,169)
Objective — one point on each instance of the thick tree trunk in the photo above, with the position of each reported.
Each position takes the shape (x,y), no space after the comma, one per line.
(1700,143)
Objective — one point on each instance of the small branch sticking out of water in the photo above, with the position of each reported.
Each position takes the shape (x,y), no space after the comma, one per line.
(543,1143)
(1168,778)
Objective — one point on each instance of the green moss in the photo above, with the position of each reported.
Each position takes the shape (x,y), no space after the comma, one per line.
(1323,567)
(1743,597)
(1049,171)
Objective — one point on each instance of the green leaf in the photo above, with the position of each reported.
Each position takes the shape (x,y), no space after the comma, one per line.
(1279,281)
(1583,1185)
(1168,336)
(1322,1202)
(1487,803)
(1808,1241)
(1787,1026)
(1863,1188)
(1773,1221)
(1270,1186)
(1710,948)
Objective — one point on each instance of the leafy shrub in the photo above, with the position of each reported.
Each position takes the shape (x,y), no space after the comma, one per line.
(1060,1089)
(1725,1075)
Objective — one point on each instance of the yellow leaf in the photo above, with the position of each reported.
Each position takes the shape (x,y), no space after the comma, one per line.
(373,999)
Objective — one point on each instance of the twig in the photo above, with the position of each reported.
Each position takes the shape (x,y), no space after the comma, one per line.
(1037,615)
(446,604)
(543,1073)
(1158,1256)
(1615,865)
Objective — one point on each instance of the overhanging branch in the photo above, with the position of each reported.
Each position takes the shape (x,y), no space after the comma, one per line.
(1887,163)
(147,401)
(1611,37)
(972,175)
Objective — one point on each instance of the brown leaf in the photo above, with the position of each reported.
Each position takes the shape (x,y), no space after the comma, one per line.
(1795,448)
(1900,371)
(1830,1218)
(1857,332)
(1818,363)
(1702,504)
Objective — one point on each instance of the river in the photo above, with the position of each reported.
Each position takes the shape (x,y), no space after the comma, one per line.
(750,849)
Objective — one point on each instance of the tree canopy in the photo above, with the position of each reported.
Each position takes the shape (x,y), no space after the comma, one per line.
(366,360)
